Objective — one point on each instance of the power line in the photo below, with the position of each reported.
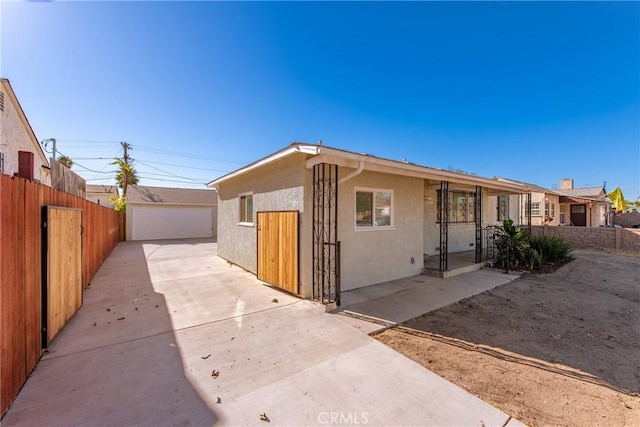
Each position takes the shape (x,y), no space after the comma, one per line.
(169,173)
(185,166)
(186,155)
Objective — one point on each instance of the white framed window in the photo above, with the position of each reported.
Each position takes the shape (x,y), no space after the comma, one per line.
(373,208)
(246,209)
(535,209)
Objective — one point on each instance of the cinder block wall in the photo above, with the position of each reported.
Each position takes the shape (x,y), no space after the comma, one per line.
(625,239)
(625,219)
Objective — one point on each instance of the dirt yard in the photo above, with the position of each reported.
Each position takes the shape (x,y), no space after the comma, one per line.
(559,349)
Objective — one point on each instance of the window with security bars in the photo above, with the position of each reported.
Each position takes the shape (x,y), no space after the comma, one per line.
(462,206)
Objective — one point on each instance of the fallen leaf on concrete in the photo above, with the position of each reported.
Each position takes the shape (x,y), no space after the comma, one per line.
(121,318)
(94,324)
(108,309)
(274,300)
(218,400)
(263,417)
(157,305)
(215,373)
(136,308)
(206,357)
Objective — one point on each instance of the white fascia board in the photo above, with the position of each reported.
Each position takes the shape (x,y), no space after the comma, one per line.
(352,160)
(294,148)
(376,164)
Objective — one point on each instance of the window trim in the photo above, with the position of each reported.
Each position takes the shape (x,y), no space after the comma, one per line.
(538,209)
(240,212)
(373,191)
(470,204)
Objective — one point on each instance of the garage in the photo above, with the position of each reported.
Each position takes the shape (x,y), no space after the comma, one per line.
(155,213)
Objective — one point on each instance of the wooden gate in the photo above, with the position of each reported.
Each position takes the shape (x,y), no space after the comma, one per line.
(278,249)
(61,268)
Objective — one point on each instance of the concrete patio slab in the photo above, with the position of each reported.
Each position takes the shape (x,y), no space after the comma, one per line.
(210,344)
(397,304)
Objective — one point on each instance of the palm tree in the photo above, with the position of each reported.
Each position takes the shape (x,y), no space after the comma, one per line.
(65,161)
(126,175)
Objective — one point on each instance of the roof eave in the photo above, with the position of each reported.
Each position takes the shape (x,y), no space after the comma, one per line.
(372,163)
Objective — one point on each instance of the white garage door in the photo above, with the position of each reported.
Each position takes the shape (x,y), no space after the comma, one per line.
(152,223)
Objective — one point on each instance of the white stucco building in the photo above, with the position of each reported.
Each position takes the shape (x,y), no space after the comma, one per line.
(20,151)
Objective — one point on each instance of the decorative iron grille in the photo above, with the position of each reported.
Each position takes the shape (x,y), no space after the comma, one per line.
(326,247)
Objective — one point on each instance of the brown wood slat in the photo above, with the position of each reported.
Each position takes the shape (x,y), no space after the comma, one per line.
(33,279)
(8,277)
(20,270)
(18,295)
(64,281)
(278,249)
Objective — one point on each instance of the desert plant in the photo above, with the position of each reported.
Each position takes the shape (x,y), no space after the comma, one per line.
(550,248)
(512,245)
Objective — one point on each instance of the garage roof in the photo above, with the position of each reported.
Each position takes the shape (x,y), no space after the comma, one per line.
(138,194)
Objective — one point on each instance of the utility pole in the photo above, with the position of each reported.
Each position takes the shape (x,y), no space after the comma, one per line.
(126,147)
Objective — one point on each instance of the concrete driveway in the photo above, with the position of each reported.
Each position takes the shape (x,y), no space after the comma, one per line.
(170,334)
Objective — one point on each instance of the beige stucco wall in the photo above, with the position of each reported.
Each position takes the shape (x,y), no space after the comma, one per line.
(517,209)
(596,213)
(516,201)
(379,255)
(462,237)
(278,186)
(14,137)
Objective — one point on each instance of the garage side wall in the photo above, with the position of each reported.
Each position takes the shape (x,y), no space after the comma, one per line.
(379,255)
(278,186)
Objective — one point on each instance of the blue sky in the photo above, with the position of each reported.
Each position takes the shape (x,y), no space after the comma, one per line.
(533,91)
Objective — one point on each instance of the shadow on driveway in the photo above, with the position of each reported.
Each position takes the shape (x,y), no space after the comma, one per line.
(116,362)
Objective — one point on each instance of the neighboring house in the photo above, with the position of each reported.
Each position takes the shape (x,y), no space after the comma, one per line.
(315,220)
(545,205)
(170,213)
(583,207)
(101,194)
(20,151)
(632,208)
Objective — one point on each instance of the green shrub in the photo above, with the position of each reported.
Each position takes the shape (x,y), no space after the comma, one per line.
(549,249)
(512,245)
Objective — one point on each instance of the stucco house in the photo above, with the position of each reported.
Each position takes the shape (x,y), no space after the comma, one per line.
(585,206)
(315,220)
(544,208)
(101,194)
(20,152)
(155,213)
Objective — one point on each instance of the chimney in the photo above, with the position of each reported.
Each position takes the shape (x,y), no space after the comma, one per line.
(566,184)
(25,165)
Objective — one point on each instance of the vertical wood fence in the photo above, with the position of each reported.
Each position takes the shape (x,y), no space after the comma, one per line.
(20,270)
